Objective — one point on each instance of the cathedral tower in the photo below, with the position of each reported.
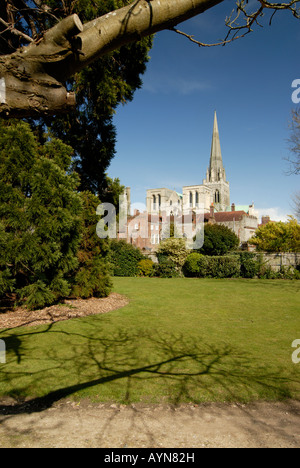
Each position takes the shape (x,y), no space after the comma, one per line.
(215,175)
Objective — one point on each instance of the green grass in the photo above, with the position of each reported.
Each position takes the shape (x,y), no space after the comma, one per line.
(179,340)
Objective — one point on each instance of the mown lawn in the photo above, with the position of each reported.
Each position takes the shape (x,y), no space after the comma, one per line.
(178,340)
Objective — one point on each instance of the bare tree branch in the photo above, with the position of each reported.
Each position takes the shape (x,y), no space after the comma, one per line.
(15,31)
(250,19)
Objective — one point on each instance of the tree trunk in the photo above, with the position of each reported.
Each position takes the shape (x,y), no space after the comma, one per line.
(31,79)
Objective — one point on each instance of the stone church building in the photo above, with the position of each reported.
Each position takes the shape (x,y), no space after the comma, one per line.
(212,197)
(214,189)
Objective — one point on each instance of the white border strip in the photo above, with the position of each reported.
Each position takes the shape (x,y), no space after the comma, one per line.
(2,91)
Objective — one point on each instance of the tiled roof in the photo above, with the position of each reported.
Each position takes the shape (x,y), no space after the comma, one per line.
(227,216)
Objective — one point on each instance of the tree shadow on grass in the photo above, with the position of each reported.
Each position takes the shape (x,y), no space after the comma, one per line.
(132,365)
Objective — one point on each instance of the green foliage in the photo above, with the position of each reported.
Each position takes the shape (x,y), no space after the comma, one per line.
(40,216)
(218,240)
(173,249)
(166,269)
(92,275)
(37,295)
(48,243)
(7,283)
(191,266)
(198,265)
(124,258)
(250,264)
(146,267)
(223,267)
(289,273)
(99,88)
(278,237)
(113,192)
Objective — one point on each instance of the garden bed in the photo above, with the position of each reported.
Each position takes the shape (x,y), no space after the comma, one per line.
(13,317)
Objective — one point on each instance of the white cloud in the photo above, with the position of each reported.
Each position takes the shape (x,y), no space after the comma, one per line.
(275,213)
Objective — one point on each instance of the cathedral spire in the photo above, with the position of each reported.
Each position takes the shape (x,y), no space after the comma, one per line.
(216,170)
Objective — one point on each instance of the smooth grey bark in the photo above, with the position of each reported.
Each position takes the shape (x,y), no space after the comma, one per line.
(31,79)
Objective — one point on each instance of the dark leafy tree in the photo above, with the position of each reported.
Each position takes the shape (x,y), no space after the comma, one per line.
(218,240)
(124,258)
(91,278)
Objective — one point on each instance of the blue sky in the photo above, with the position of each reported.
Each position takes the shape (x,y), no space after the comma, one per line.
(164,134)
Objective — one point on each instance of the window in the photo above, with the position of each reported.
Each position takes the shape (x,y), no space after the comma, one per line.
(197,198)
(217,196)
(154,202)
(191,199)
(155,239)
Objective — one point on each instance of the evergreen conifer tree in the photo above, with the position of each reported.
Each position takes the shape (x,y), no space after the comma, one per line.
(40,216)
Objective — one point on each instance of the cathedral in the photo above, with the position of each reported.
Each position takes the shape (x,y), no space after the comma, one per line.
(212,198)
(213,191)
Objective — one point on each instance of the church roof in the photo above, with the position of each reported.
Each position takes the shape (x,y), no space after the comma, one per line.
(226,216)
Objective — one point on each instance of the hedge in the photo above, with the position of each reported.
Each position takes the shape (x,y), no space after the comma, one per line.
(124,258)
(241,264)
(201,266)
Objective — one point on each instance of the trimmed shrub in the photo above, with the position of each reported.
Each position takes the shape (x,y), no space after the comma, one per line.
(201,266)
(166,269)
(124,258)
(145,267)
(250,265)
(191,267)
(223,267)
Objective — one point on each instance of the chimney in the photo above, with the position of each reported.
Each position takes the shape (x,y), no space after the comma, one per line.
(265,220)
(233,207)
(136,213)
(211,219)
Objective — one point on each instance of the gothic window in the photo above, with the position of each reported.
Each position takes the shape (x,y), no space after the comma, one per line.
(159,201)
(217,196)
(197,198)
(191,199)
(154,202)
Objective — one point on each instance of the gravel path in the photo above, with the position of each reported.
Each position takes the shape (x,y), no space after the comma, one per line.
(85,425)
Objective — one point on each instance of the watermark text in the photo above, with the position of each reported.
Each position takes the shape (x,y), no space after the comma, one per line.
(296,93)
(296,353)
(2,352)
